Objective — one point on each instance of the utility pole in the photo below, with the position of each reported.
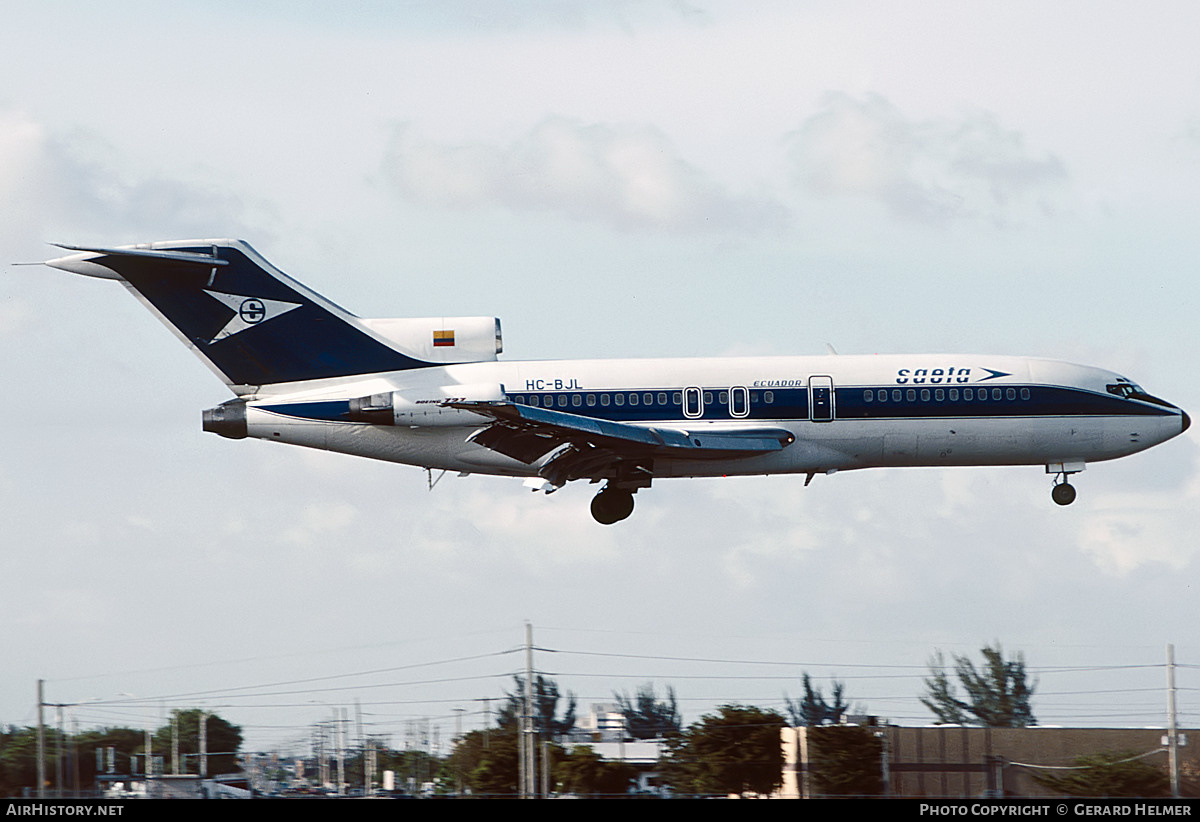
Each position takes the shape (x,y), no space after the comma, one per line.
(203,720)
(340,719)
(175,742)
(529,774)
(362,747)
(1172,729)
(41,743)
(58,765)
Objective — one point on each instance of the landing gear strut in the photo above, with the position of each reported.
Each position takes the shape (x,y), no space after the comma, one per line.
(612,505)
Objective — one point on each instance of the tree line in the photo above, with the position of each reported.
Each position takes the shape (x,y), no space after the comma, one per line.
(733,750)
(88,754)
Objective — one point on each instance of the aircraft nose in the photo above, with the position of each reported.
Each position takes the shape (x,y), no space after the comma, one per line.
(1187,421)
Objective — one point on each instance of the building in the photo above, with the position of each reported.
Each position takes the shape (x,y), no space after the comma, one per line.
(965,762)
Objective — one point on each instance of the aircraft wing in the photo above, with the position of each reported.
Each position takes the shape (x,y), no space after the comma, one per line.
(572,446)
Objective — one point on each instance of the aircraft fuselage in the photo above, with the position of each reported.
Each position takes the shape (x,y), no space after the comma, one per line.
(845,412)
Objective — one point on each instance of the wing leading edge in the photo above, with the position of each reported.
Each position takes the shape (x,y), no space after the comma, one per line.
(569,446)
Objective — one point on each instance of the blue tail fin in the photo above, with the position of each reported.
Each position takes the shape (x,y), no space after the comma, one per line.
(251,323)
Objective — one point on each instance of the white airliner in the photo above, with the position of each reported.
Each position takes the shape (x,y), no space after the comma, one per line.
(433,393)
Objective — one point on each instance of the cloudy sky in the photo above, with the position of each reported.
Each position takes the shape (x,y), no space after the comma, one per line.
(611,179)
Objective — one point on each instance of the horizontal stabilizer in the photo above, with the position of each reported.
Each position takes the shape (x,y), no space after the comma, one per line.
(158,254)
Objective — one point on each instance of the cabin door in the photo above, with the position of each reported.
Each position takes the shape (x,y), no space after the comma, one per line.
(820,398)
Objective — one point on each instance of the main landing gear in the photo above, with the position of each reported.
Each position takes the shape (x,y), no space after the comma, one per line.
(612,504)
(1063,492)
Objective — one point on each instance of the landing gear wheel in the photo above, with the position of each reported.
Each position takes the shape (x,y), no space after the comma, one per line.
(612,505)
(1063,493)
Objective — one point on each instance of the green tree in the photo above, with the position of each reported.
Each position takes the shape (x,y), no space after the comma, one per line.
(847,761)
(18,760)
(1111,773)
(998,693)
(485,762)
(585,773)
(224,741)
(736,750)
(648,717)
(412,768)
(813,710)
(545,707)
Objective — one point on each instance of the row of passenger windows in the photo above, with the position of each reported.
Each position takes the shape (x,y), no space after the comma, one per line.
(622,398)
(943,394)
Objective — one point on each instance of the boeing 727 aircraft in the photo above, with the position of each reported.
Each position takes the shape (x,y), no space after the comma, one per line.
(433,393)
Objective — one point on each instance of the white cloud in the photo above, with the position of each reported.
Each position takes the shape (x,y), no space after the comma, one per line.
(64,186)
(1134,529)
(321,520)
(629,177)
(928,171)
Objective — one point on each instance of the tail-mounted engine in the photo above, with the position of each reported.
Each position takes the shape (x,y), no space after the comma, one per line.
(424,407)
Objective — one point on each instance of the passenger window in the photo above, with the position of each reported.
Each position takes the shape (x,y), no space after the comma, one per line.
(633,399)
(911,395)
(562,400)
(769,397)
(662,398)
(591,400)
(647,399)
(604,400)
(576,400)
(739,401)
(618,399)
(1010,393)
(868,395)
(1024,393)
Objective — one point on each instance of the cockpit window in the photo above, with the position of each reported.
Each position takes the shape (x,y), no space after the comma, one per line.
(1131,391)
(1126,389)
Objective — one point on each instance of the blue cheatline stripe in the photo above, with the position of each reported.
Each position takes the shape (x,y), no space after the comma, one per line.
(792,405)
(324,411)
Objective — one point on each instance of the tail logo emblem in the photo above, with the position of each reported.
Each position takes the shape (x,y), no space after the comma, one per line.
(252,311)
(247,312)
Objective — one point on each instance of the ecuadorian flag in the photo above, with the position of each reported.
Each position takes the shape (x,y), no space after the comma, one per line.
(443,338)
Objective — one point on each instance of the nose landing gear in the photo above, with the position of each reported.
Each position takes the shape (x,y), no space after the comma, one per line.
(1063,492)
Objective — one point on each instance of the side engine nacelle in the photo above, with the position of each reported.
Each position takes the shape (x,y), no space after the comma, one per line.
(422,407)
